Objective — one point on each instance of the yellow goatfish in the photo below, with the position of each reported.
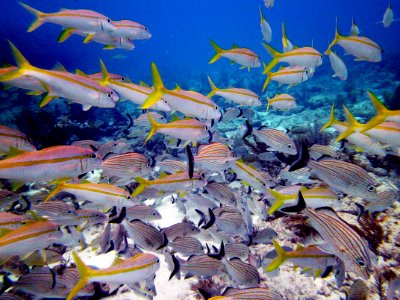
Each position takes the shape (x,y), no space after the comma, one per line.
(135,269)
(50,163)
(363,48)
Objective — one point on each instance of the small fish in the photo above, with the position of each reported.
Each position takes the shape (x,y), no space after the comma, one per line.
(27,239)
(388,16)
(99,194)
(282,102)
(317,151)
(130,30)
(242,56)
(187,245)
(113,147)
(198,265)
(342,240)
(358,291)
(82,19)
(237,95)
(238,250)
(363,48)
(145,236)
(172,166)
(252,177)
(304,257)
(190,103)
(385,200)
(200,202)
(49,163)
(301,57)
(300,176)
(12,138)
(220,192)
(263,236)
(338,66)
(137,268)
(182,229)
(289,75)
(265,28)
(277,140)
(142,121)
(269,3)
(57,212)
(214,157)
(230,220)
(256,293)
(187,129)
(354,31)
(242,273)
(142,212)
(232,113)
(286,44)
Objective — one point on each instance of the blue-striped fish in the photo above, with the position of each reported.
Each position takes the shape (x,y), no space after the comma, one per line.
(342,240)
(187,246)
(277,140)
(182,229)
(142,212)
(214,157)
(172,166)
(145,236)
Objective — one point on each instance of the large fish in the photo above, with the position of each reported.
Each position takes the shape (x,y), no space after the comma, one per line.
(138,268)
(49,163)
(341,239)
(243,56)
(82,19)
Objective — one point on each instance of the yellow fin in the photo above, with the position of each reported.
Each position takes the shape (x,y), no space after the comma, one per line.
(279,259)
(158,88)
(39,17)
(84,272)
(88,38)
(218,51)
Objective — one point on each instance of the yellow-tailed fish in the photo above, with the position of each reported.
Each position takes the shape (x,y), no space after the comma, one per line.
(361,141)
(242,56)
(137,268)
(49,163)
(286,44)
(314,197)
(130,30)
(277,140)
(82,19)
(190,103)
(342,240)
(101,194)
(12,138)
(75,87)
(240,96)
(187,129)
(265,28)
(289,75)
(24,82)
(281,102)
(174,182)
(304,257)
(338,66)
(36,235)
(110,42)
(382,113)
(363,48)
(301,57)
(354,30)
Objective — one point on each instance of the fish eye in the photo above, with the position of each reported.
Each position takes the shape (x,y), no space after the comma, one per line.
(370,188)
(289,146)
(149,289)
(108,20)
(146,29)
(216,107)
(157,261)
(128,197)
(154,213)
(122,78)
(361,262)
(93,155)
(114,144)
(69,211)
(109,95)
(205,128)
(258,98)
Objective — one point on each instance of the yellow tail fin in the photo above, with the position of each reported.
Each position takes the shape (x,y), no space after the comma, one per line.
(275,56)
(158,88)
(60,186)
(381,112)
(335,40)
(279,200)
(22,64)
(39,17)
(353,125)
(84,272)
(284,36)
(268,80)
(143,183)
(104,74)
(331,120)
(218,53)
(279,259)
(154,127)
(213,88)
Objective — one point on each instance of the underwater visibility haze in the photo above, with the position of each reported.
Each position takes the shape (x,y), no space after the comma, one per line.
(200,149)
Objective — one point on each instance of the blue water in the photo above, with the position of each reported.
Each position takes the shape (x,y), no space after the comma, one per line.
(182,29)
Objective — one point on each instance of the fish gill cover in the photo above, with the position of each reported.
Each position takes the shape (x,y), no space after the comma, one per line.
(252,146)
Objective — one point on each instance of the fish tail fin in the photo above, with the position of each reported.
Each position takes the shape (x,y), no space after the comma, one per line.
(299,207)
(275,56)
(84,272)
(381,112)
(154,127)
(65,34)
(58,189)
(22,64)
(38,14)
(261,14)
(279,259)
(284,36)
(218,53)
(104,74)
(279,200)
(176,269)
(143,183)
(268,80)
(352,122)
(158,88)
(331,120)
(214,88)
(335,40)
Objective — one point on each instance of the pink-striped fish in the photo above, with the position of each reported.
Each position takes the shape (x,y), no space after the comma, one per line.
(243,56)
(24,82)
(172,166)
(81,19)
(256,293)
(128,165)
(12,138)
(281,102)
(277,140)
(343,241)
(112,148)
(49,163)
(214,157)
(289,75)
(131,30)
